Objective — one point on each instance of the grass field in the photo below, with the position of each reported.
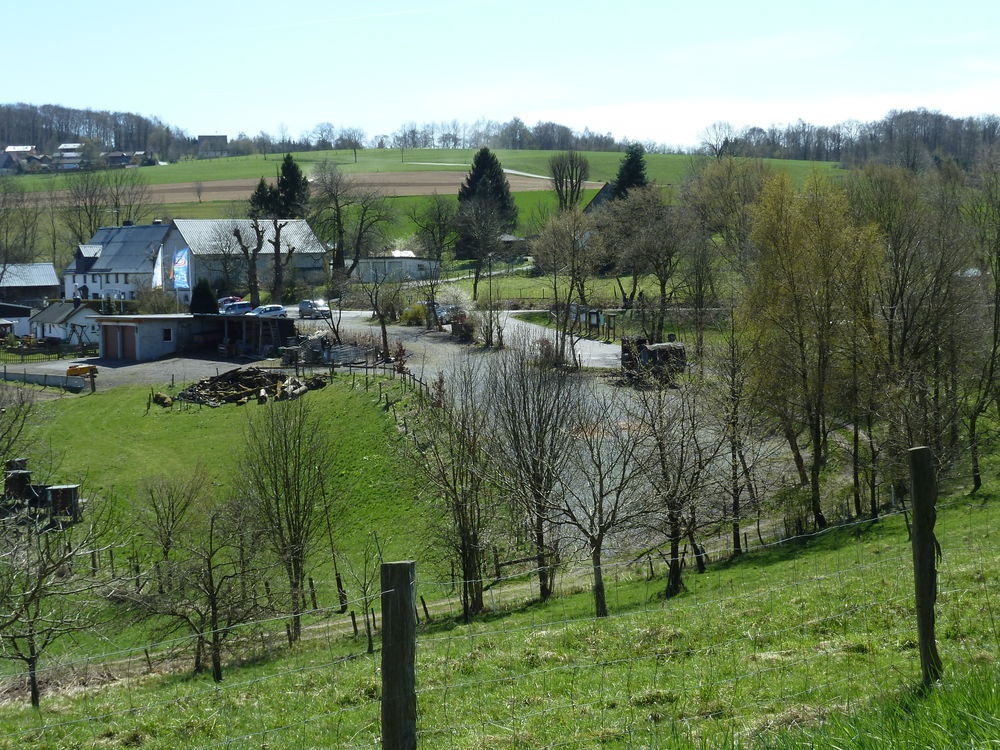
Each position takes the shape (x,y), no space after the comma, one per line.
(807,643)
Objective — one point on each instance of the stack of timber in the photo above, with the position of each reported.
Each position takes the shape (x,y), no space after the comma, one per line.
(251,383)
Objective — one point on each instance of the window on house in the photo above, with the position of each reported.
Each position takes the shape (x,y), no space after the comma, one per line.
(131,295)
(95,279)
(168,334)
(126,278)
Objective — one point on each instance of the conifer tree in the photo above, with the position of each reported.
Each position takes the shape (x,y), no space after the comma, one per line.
(485,184)
(631,172)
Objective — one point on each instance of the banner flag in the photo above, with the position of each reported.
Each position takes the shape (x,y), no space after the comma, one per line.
(180,270)
(158,269)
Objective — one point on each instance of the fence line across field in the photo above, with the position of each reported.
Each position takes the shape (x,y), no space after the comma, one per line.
(518,672)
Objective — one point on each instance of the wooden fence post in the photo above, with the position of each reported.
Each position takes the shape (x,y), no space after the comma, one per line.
(399,643)
(925,550)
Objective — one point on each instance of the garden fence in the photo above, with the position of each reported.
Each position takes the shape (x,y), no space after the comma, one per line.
(740,653)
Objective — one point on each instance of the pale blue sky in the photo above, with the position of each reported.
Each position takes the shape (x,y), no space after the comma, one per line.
(642,70)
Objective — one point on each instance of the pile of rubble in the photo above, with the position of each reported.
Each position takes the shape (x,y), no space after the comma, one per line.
(242,385)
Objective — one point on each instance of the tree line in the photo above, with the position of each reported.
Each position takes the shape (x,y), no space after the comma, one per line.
(835,324)
(47,126)
(911,138)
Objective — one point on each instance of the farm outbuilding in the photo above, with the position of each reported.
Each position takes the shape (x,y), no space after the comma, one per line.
(140,338)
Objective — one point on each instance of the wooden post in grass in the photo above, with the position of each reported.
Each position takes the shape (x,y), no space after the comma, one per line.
(925,550)
(399,645)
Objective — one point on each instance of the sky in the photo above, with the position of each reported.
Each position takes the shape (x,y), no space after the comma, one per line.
(654,71)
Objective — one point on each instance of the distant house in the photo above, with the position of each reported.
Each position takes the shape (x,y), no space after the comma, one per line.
(396,267)
(67,321)
(118,262)
(213,146)
(28,282)
(20,159)
(68,156)
(117,158)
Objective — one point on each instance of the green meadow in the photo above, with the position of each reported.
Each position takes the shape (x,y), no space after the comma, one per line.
(809,643)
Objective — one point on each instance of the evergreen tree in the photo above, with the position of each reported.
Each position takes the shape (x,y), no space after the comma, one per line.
(287,199)
(202,298)
(486,184)
(631,172)
(293,189)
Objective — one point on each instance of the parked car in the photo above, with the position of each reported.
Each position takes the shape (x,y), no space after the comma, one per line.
(269,311)
(237,308)
(228,300)
(314,308)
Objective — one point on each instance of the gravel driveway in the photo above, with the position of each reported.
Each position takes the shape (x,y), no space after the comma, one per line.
(428,353)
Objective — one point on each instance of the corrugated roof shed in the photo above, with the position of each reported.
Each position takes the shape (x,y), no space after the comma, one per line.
(28,274)
(203,235)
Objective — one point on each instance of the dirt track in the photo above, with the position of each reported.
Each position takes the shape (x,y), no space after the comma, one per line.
(390,183)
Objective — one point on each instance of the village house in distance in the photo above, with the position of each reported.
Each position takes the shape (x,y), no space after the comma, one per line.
(118,262)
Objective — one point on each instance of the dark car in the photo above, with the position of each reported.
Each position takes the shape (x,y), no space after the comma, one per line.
(314,308)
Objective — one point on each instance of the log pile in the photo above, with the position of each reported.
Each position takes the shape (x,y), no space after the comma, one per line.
(241,385)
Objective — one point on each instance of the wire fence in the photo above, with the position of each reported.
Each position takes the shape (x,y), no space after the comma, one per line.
(797,631)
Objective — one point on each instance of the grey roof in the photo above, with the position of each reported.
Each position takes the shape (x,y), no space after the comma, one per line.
(59,312)
(28,274)
(203,235)
(128,249)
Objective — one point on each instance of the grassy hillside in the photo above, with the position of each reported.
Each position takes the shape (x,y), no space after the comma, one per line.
(666,169)
(112,443)
(807,643)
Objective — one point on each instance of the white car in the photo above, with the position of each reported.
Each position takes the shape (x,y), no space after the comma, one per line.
(269,311)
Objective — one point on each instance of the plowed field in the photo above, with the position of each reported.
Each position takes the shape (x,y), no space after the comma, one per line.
(390,183)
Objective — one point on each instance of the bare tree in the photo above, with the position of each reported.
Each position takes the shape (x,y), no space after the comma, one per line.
(282,475)
(97,198)
(228,262)
(569,172)
(566,250)
(677,456)
(48,590)
(604,484)
(383,291)
(364,572)
(210,572)
(128,195)
(20,216)
(531,407)
(648,236)
(348,216)
(450,437)
(481,224)
(981,383)
(717,139)
(251,249)
(86,208)
(434,219)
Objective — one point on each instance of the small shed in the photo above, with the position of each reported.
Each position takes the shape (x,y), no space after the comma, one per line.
(138,338)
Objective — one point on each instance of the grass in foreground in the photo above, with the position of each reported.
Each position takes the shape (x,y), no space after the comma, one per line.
(809,643)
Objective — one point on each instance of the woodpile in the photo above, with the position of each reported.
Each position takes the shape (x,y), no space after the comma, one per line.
(241,385)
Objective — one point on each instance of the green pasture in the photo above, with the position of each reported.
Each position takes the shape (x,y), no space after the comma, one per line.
(665,169)
(113,442)
(809,643)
